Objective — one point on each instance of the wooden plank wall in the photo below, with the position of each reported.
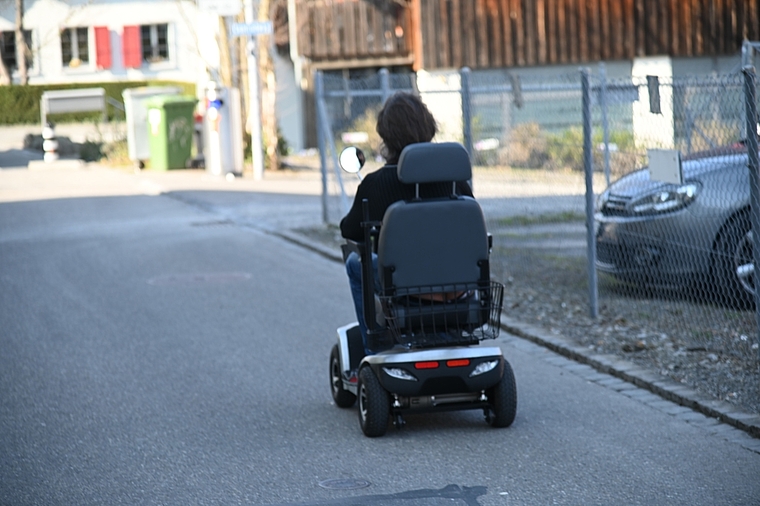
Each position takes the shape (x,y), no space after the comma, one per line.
(506,33)
(334,30)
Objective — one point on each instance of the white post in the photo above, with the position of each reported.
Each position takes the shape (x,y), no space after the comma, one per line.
(254,106)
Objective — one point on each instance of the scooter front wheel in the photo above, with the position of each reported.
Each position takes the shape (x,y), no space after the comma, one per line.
(342,397)
(374,404)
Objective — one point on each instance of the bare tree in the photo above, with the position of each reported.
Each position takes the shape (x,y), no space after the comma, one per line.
(5,78)
(21,49)
(268,91)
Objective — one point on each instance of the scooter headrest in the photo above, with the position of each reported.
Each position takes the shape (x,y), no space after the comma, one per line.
(428,162)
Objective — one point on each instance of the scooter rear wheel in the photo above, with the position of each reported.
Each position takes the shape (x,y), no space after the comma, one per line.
(374,404)
(342,397)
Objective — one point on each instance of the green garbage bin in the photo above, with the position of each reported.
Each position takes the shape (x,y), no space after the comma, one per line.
(170,130)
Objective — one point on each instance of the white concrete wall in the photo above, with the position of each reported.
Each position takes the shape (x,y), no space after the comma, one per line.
(289,107)
(653,130)
(441,92)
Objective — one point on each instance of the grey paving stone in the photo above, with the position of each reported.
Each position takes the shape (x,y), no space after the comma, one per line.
(612,382)
(696,418)
(559,360)
(578,368)
(752,445)
(725,431)
(624,385)
(642,395)
(676,409)
(593,375)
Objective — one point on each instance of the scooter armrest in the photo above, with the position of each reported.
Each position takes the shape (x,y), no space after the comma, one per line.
(351,247)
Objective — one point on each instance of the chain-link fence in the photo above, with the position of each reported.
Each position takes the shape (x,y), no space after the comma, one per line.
(671,249)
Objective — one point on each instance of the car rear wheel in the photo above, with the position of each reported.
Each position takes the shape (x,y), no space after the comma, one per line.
(733,264)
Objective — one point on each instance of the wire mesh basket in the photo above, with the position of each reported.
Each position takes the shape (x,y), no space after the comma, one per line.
(438,315)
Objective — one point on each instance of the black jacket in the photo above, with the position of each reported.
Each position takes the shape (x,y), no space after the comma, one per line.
(381,189)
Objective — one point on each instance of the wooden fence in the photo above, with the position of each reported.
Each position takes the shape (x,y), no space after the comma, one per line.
(353,29)
(505,33)
(435,34)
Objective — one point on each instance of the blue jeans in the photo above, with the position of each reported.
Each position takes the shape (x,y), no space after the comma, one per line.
(354,270)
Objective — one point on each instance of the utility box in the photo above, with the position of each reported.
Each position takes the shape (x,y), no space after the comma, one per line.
(223,132)
(170,131)
(136,111)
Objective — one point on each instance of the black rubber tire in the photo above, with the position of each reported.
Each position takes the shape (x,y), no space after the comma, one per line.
(503,399)
(374,404)
(734,248)
(342,397)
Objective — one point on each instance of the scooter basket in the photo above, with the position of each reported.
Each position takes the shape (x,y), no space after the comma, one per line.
(447,315)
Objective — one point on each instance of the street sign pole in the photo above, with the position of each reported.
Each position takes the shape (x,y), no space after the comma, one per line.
(254,107)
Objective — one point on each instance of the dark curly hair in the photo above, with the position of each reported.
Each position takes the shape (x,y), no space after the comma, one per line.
(403,120)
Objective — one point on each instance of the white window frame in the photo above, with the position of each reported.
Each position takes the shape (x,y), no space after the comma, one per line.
(171,48)
(87,66)
(34,63)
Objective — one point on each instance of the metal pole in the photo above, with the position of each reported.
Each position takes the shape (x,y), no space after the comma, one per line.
(319,96)
(328,138)
(605,123)
(385,84)
(588,168)
(750,107)
(254,107)
(466,110)
(746,54)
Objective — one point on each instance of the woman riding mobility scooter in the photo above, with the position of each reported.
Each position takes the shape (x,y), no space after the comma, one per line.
(436,302)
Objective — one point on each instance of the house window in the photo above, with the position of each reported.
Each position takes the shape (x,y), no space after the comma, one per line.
(145,44)
(155,43)
(8,46)
(75,46)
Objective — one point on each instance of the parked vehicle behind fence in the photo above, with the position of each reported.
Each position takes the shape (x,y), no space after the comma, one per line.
(696,234)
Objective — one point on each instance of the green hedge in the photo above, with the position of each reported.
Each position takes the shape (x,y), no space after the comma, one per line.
(20,105)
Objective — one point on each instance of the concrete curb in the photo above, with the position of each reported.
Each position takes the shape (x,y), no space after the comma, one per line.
(608,364)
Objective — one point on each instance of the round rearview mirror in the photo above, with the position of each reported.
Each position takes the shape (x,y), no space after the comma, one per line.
(351,159)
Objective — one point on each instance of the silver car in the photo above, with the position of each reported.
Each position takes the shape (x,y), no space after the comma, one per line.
(696,233)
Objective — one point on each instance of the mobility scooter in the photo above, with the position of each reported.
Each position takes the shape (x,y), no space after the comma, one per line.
(435,303)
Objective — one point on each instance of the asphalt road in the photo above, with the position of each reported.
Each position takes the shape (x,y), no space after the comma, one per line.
(156,351)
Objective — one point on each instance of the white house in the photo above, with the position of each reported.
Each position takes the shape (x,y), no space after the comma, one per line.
(82,41)
(93,41)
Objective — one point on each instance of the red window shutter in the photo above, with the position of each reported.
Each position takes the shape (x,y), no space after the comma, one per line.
(130,46)
(102,47)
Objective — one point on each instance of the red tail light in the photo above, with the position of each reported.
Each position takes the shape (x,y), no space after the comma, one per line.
(426,365)
(462,362)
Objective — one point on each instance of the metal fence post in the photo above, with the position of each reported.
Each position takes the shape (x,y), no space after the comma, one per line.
(385,83)
(605,122)
(588,169)
(466,110)
(319,95)
(750,107)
